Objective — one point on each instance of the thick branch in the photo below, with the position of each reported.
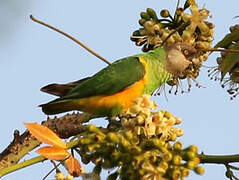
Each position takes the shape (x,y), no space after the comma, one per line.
(219,159)
(66,126)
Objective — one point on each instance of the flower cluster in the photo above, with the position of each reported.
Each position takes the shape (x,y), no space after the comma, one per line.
(141,120)
(144,147)
(191,28)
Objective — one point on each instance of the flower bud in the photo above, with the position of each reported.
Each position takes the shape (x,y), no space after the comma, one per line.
(177,145)
(152,13)
(177,160)
(164,13)
(176,174)
(145,16)
(199,170)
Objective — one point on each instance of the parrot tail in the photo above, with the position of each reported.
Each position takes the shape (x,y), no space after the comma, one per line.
(62,90)
(58,106)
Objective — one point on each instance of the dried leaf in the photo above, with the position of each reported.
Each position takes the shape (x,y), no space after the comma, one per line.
(44,134)
(230,61)
(74,166)
(54,153)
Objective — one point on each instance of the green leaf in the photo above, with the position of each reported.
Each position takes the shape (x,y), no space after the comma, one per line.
(228,39)
(230,61)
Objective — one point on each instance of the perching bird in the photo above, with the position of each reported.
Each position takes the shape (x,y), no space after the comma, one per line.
(113,89)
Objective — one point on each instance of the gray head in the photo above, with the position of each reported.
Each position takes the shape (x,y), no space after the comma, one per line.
(179,57)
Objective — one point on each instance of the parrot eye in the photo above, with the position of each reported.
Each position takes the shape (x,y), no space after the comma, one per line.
(186,52)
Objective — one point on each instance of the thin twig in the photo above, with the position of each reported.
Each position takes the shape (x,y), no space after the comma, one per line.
(221,50)
(178,2)
(55,167)
(70,37)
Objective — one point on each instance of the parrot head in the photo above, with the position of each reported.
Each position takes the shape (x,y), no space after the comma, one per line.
(179,57)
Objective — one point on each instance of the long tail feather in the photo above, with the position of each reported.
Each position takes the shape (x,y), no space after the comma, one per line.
(61,89)
(58,106)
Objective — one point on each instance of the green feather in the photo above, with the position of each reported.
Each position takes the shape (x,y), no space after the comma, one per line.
(157,74)
(111,79)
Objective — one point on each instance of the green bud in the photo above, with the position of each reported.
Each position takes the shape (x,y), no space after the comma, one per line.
(112,137)
(136,33)
(153,158)
(167,145)
(92,147)
(185,172)
(99,138)
(124,142)
(167,156)
(86,141)
(129,135)
(177,160)
(177,145)
(145,16)
(179,11)
(135,150)
(196,161)
(152,13)
(176,174)
(190,165)
(193,148)
(142,31)
(199,170)
(163,165)
(92,128)
(157,143)
(173,137)
(164,13)
(141,22)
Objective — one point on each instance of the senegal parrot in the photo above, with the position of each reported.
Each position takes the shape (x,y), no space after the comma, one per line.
(113,89)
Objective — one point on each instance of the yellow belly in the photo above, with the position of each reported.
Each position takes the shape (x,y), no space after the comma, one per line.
(124,99)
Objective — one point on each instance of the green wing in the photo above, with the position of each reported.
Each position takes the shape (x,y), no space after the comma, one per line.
(111,79)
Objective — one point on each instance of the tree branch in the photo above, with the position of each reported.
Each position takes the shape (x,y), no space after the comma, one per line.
(219,159)
(66,126)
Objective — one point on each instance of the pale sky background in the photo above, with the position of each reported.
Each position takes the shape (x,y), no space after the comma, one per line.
(32,56)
